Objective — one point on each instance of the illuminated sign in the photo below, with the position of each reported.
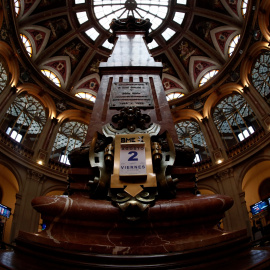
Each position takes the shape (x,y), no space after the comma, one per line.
(5,211)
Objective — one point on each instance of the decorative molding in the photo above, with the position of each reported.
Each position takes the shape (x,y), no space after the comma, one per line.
(35,176)
(227,173)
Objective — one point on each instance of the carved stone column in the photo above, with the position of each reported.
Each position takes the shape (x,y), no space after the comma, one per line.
(244,209)
(235,217)
(8,99)
(43,153)
(217,152)
(17,213)
(33,186)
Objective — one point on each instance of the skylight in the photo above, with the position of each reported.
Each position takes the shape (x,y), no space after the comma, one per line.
(168,33)
(107,45)
(106,10)
(152,45)
(92,33)
(82,17)
(179,17)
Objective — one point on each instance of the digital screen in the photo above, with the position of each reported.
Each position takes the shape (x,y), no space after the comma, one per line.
(259,207)
(5,211)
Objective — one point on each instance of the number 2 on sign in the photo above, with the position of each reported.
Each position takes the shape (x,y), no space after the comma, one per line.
(133,156)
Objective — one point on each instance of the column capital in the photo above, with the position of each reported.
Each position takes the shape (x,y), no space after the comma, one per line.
(35,176)
(227,173)
(205,120)
(246,89)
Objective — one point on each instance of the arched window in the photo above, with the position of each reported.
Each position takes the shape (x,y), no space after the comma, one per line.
(27,44)
(70,136)
(190,134)
(17,6)
(24,120)
(174,95)
(244,7)
(49,74)
(208,76)
(3,75)
(260,75)
(233,45)
(86,96)
(234,120)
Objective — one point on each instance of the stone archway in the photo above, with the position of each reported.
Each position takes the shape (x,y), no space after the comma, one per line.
(9,187)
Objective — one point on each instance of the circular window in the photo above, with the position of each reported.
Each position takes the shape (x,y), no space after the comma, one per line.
(155,11)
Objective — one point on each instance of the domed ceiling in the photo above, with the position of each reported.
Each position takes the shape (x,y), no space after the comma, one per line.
(68,38)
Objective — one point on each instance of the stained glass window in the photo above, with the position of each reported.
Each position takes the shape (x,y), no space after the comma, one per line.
(49,74)
(70,136)
(208,76)
(86,96)
(190,135)
(234,119)
(25,120)
(260,75)
(3,75)
(27,44)
(233,44)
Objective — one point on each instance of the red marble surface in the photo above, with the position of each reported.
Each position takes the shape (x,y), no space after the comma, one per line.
(82,224)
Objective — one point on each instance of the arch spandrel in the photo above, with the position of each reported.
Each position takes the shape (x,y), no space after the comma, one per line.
(186,114)
(74,115)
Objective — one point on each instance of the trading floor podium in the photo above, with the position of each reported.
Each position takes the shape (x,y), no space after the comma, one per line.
(132,200)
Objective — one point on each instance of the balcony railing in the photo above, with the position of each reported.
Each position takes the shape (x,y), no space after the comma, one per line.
(245,144)
(16,146)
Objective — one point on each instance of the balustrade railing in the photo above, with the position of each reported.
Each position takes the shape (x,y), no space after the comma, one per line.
(16,146)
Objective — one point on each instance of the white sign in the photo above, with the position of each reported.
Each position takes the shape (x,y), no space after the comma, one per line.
(132,159)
